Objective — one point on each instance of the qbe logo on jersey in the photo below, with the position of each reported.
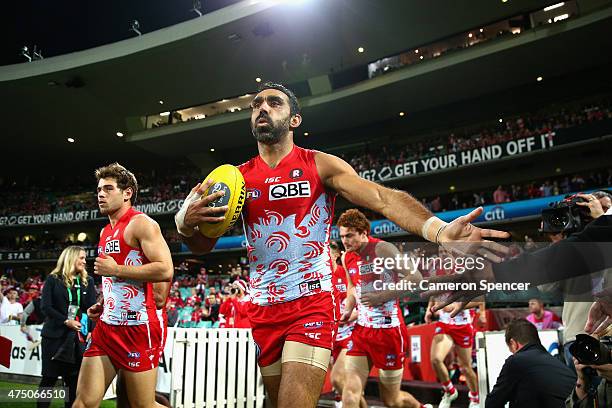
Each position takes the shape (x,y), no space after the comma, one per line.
(297,189)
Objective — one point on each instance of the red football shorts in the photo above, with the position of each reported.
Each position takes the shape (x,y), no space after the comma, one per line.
(308,320)
(132,348)
(386,348)
(340,345)
(462,335)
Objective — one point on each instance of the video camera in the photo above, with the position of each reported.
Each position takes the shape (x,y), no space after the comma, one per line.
(565,216)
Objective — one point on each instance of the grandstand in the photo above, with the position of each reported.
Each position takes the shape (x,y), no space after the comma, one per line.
(505,105)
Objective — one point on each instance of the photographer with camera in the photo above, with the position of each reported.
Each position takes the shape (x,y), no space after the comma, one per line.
(581,253)
(598,203)
(576,292)
(593,359)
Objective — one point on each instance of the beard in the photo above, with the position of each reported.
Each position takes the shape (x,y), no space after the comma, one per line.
(272,132)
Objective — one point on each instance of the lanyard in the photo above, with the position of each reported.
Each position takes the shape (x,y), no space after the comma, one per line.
(78,291)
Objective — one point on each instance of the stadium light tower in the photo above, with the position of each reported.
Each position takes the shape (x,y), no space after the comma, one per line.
(135,27)
(197,7)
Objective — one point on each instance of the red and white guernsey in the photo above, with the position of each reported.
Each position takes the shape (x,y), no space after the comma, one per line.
(287,221)
(341,286)
(126,302)
(386,315)
(463,318)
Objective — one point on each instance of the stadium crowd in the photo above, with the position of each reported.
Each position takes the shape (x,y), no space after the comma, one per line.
(27,197)
(480,136)
(196,298)
(50,243)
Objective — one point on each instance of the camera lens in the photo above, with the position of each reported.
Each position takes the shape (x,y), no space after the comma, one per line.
(589,350)
(559,220)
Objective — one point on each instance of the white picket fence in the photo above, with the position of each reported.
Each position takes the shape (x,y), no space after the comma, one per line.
(215,368)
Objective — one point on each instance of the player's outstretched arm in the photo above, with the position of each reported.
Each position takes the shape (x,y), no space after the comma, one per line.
(194,211)
(407,212)
(147,234)
(398,206)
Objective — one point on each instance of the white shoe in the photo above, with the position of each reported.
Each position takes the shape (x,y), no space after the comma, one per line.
(428,406)
(447,399)
(337,404)
(474,404)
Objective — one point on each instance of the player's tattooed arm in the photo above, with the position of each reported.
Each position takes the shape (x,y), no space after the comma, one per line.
(407,212)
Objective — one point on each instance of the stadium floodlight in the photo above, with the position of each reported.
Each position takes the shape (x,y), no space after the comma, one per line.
(135,27)
(554,6)
(24,52)
(197,7)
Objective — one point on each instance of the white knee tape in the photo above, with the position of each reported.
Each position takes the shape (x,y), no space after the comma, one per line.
(391,376)
(307,354)
(272,369)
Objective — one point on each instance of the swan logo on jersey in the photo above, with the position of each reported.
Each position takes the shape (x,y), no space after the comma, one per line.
(112,247)
(297,189)
(133,258)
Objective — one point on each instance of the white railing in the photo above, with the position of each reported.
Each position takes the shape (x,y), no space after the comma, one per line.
(215,368)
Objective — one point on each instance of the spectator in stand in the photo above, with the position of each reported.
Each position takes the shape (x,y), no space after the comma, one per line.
(242,301)
(31,292)
(213,305)
(541,318)
(500,195)
(233,312)
(436,204)
(185,313)
(198,314)
(32,314)
(10,310)
(172,313)
(546,189)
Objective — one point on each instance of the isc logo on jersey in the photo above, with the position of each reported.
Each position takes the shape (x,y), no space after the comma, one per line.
(297,189)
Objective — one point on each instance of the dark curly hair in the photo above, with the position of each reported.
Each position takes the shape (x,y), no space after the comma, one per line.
(124,178)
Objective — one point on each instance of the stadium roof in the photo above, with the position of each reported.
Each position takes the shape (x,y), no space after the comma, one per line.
(90,95)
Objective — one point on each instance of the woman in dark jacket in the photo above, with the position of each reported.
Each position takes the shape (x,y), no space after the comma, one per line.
(67,294)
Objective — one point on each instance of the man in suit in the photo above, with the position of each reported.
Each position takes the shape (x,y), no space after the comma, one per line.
(531,377)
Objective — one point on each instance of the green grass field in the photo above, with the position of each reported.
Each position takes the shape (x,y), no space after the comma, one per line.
(56,404)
